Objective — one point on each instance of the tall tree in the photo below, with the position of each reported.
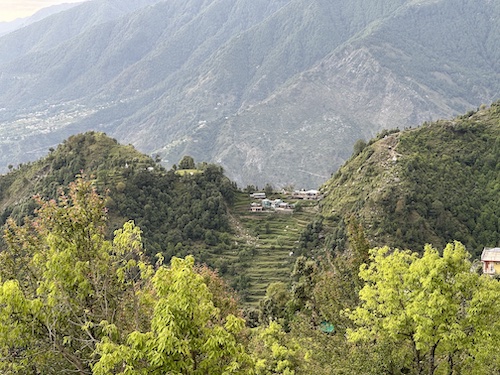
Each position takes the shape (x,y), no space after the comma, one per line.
(187,162)
(337,281)
(446,316)
(63,284)
(186,334)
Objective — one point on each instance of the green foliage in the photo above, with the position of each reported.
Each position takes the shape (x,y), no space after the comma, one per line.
(359,146)
(310,236)
(434,184)
(329,354)
(268,189)
(433,307)
(425,75)
(303,281)
(63,285)
(276,353)
(466,153)
(320,289)
(266,246)
(183,337)
(223,297)
(273,307)
(73,301)
(187,162)
(176,213)
(337,284)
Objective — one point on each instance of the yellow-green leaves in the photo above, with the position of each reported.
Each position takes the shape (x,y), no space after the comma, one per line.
(65,286)
(276,353)
(433,303)
(185,335)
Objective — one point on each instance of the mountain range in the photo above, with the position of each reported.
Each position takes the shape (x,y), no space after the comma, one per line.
(274,91)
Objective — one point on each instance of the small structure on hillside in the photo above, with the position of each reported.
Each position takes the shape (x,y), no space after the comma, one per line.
(306,194)
(258,195)
(256,207)
(491,260)
(276,205)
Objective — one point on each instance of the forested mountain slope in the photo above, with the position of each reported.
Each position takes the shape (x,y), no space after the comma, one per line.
(52,31)
(434,184)
(178,214)
(10,26)
(273,91)
(192,209)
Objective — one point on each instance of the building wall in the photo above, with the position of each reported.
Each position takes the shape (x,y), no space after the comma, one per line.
(491,268)
(497,268)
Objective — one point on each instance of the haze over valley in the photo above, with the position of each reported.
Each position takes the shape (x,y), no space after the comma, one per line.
(274,92)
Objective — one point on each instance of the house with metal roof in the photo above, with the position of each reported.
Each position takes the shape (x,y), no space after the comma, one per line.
(491,260)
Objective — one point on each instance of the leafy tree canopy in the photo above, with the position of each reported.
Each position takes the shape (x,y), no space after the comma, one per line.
(177,213)
(444,315)
(62,284)
(182,337)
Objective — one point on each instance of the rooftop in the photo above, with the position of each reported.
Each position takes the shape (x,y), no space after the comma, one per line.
(491,254)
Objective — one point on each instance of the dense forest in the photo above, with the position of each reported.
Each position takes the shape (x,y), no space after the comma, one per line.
(74,301)
(177,212)
(102,271)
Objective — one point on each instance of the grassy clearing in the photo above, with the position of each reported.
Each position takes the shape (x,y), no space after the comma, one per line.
(182,172)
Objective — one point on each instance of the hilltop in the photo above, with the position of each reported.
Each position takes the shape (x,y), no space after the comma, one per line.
(177,213)
(190,209)
(434,184)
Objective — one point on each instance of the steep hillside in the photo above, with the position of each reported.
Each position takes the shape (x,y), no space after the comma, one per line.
(433,184)
(400,71)
(177,213)
(52,30)
(10,26)
(273,91)
(184,211)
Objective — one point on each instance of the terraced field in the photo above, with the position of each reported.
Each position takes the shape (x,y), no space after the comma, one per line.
(268,242)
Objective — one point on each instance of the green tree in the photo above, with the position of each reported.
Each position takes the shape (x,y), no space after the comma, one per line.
(62,284)
(277,353)
(187,162)
(358,147)
(268,189)
(445,316)
(273,307)
(303,281)
(186,335)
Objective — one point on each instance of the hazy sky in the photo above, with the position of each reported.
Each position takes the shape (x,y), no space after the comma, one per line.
(12,9)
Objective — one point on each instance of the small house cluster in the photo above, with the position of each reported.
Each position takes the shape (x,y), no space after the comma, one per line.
(265,204)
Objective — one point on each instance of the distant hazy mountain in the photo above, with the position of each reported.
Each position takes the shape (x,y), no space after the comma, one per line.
(275,91)
(7,27)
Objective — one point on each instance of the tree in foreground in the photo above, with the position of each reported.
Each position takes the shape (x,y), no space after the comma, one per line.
(72,301)
(436,315)
(186,334)
(62,284)
(277,352)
